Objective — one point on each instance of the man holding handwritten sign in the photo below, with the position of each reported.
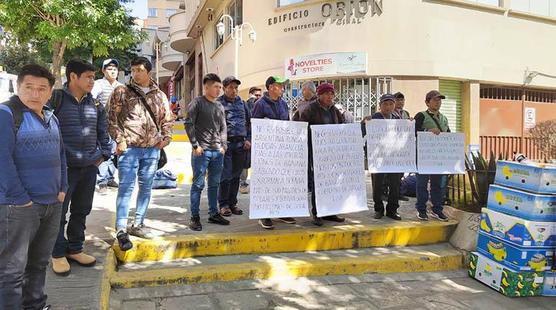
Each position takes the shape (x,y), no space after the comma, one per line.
(390,151)
(320,112)
(434,122)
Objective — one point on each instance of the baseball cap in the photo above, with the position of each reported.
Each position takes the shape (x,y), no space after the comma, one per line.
(230,79)
(434,94)
(275,79)
(399,95)
(387,97)
(110,61)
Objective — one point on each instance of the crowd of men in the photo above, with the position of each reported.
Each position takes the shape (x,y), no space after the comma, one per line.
(220,134)
(58,146)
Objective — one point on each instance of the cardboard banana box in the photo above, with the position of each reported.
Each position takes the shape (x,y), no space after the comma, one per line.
(549,283)
(515,257)
(533,177)
(532,207)
(518,231)
(505,280)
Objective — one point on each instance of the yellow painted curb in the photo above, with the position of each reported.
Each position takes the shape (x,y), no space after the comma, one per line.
(105,288)
(180,138)
(315,239)
(292,268)
(179,126)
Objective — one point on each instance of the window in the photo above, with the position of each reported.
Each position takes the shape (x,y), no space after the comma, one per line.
(153,12)
(288,2)
(218,40)
(538,7)
(170,12)
(235,10)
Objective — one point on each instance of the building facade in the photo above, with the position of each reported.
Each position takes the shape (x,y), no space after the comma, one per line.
(492,58)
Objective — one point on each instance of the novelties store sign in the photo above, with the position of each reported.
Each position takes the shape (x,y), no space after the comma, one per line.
(327,64)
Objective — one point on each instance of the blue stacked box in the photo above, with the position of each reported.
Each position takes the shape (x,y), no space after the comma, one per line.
(518,229)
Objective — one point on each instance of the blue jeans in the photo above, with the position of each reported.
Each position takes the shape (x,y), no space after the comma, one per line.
(209,163)
(79,201)
(435,192)
(27,235)
(234,161)
(135,162)
(106,172)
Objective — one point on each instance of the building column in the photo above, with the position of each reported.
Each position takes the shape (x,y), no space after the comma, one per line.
(471,112)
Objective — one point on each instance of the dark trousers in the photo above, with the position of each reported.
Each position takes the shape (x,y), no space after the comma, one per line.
(27,235)
(392,182)
(423,192)
(234,162)
(311,182)
(79,201)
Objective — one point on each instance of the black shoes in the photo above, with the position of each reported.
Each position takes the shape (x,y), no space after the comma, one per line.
(123,241)
(266,223)
(440,216)
(422,215)
(378,215)
(112,183)
(288,220)
(218,219)
(334,218)
(317,221)
(394,216)
(195,224)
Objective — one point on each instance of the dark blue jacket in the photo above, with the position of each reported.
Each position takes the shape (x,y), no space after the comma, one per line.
(34,161)
(84,129)
(238,118)
(265,107)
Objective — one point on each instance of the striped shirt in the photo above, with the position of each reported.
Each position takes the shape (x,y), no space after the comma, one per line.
(103,89)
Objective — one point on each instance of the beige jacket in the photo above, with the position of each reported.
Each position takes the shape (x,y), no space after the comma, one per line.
(129,121)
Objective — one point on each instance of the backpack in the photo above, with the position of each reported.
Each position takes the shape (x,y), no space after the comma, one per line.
(16,107)
(164,179)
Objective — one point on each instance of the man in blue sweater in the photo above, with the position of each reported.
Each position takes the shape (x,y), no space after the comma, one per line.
(238,124)
(32,188)
(84,128)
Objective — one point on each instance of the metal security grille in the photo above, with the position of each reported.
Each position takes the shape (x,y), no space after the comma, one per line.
(359,95)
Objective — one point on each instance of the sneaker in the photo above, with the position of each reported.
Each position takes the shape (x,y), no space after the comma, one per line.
(422,215)
(140,231)
(123,241)
(244,189)
(266,223)
(47,307)
(394,216)
(112,183)
(60,266)
(218,219)
(101,188)
(82,259)
(440,216)
(317,221)
(378,215)
(288,220)
(334,218)
(195,224)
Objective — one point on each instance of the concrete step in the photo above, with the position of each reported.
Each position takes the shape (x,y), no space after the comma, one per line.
(438,257)
(349,236)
